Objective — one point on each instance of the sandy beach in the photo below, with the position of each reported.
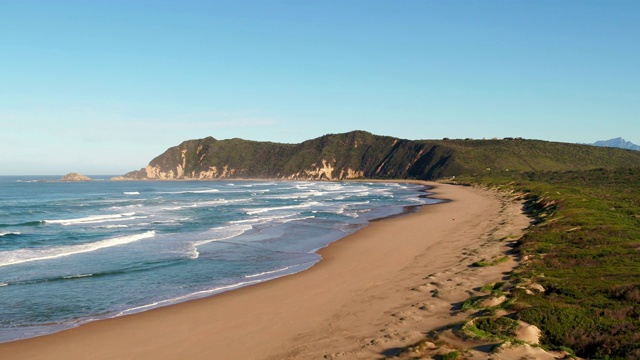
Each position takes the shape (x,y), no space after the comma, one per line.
(382,288)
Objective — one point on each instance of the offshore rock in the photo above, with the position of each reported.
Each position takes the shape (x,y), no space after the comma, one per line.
(75,177)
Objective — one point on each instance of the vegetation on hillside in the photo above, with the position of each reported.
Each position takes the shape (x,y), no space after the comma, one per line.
(585,252)
(380,157)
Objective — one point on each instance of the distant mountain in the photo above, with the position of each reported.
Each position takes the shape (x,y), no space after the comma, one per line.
(359,154)
(617,143)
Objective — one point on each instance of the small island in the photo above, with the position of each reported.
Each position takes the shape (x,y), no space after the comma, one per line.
(75,177)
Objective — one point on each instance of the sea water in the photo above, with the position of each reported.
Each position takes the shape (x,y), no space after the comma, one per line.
(73,252)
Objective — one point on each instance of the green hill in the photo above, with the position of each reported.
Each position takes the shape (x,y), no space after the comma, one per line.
(359,154)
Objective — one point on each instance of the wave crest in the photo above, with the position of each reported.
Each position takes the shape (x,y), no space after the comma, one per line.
(94,219)
(8,233)
(28,255)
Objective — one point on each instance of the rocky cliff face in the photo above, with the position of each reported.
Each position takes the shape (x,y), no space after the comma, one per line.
(360,154)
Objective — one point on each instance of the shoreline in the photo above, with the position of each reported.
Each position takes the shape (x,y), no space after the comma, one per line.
(342,300)
(421,191)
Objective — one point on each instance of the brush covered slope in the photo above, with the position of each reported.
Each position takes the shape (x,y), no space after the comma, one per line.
(359,154)
(579,276)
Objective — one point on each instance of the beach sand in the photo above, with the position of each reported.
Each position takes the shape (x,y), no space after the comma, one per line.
(375,291)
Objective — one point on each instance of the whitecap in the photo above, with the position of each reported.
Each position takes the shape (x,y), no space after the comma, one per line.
(77,276)
(191,191)
(95,219)
(28,255)
(223,233)
(288,207)
(296,219)
(212,203)
(264,219)
(288,197)
(131,193)
(10,233)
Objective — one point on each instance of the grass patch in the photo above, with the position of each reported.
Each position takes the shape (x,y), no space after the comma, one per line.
(474,302)
(492,262)
(494,288)
(451,355)
(491,328)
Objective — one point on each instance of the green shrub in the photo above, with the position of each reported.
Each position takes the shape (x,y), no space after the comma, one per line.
(472,303)
(502,327)
(451,355)
(495,261)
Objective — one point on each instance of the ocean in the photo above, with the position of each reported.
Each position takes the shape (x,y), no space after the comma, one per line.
(73,252)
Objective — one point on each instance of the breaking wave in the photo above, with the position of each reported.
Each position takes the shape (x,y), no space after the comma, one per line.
(28,255)
(94,219)
(224,233)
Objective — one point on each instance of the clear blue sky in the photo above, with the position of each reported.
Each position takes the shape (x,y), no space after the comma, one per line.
(102,87)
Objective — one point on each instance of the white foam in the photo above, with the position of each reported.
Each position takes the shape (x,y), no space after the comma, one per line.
(269,272)
(10,233)
(296,219)
(126,207)
(94,219)
(170,221)
(77,276)
(187,297)
(264,219)
(288,207)
(224,233)
(191,191)
(28,255)
(174,208)
(131,193)
(269,219)
(288,197)
(216,202)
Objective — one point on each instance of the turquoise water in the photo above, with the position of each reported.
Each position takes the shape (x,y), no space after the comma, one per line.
(76,252)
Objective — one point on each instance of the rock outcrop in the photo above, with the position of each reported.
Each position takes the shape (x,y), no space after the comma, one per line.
(75,177)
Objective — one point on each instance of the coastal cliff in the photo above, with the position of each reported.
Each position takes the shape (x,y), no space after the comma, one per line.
(359,154)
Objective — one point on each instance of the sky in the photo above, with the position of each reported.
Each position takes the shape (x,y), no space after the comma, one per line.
(104,86)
